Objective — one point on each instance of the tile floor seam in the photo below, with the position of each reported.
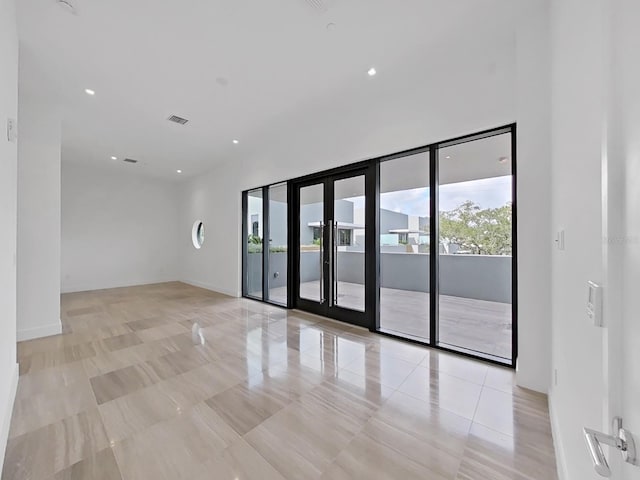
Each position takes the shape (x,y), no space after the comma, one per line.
(475,411)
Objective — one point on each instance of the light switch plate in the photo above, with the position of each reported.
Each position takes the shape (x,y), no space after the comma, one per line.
(560,240)
(12,130)
(594,303)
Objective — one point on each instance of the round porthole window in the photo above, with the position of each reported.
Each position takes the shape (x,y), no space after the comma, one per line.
(197,234)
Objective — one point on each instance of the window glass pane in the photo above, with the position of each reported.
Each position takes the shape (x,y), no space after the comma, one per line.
(278,244)
(311,222)
(404,246)
(254,243)
(475,245)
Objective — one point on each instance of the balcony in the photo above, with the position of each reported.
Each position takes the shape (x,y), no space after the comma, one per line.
(474,303)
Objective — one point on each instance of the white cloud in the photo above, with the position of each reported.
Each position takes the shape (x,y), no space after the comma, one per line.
(488,193)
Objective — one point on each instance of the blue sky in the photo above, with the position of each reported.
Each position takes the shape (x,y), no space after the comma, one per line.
(488,193)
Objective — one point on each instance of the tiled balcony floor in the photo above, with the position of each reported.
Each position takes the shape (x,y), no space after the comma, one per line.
(476,325)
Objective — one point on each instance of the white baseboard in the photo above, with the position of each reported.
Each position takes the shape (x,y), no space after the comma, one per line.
(38,332)
(557,443)
(89,286)
(8,411)
(213,288)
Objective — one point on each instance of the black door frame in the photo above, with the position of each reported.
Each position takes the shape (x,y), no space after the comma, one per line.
(325,307)
(371,169)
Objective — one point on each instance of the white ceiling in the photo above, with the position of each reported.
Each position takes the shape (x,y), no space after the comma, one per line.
(230,67)
(474,160)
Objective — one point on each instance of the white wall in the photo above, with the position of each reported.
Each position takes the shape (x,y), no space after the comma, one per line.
(8,202)
(578,114)
(534,192)
(118,228)
(458,94)
(38,217)
(621,225)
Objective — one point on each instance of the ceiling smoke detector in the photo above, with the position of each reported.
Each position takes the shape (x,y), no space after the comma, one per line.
(177,119)
(68,6)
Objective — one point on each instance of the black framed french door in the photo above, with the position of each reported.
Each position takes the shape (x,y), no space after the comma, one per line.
(333,245)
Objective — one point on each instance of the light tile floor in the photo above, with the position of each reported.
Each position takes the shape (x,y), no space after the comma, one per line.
(272,394)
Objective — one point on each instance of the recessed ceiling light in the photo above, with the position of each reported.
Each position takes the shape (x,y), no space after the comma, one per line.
(236,142)
(448,157)
(178,171)
(88,91)
(372,71)
(114,158)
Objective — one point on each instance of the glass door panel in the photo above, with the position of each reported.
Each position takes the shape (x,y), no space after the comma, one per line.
(311,243)
(348,244)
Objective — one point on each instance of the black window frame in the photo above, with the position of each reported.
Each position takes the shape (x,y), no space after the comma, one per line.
(374,165)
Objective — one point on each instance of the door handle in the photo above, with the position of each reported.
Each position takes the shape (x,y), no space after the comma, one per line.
(335,262)
(622,440)
(331,240)
(321,263)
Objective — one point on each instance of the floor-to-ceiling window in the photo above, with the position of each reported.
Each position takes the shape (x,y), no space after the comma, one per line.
(265,244)
(278,244)
(404,215)
(253,244)
(475,236)
(419,244)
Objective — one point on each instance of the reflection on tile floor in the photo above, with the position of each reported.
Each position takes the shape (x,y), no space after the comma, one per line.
(125,394)
(477,325)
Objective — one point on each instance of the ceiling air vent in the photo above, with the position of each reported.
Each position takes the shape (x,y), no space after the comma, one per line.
(319,6)
(130,160)
(177,119)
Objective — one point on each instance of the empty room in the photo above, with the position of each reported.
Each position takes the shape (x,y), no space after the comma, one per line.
(319,239)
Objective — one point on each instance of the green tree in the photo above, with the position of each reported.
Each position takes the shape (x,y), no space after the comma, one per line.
(477,231)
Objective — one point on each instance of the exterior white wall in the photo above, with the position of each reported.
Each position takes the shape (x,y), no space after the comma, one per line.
(578,114)
(8,212)
(39,146)
(118,229)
